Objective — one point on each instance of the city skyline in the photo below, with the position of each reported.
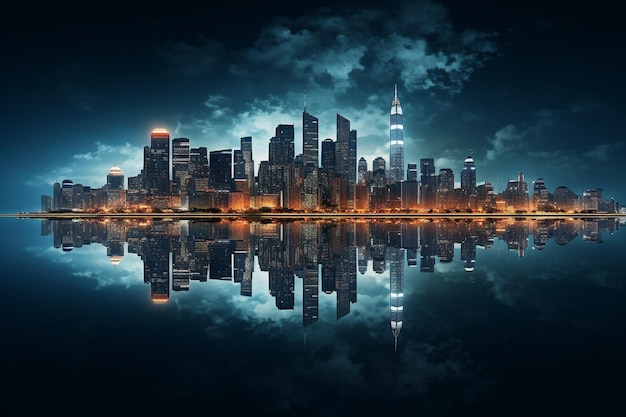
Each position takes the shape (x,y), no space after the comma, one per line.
(177,176)
(520,87)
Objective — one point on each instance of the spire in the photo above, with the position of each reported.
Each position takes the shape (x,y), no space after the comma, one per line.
(395,105)
(305,101)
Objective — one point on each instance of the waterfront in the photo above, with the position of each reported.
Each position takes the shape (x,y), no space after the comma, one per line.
(505,317)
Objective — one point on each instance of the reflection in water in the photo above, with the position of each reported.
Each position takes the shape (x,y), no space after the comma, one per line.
(327,253)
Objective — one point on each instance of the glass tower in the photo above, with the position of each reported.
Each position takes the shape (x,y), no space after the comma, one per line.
(310,160)
(158,169)
(396,141)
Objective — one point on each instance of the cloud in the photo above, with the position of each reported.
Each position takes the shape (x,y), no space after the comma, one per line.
(417,46)
(505,141)
(603,151)
(91,168)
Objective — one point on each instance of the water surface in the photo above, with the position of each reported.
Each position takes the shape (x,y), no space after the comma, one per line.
(433,318)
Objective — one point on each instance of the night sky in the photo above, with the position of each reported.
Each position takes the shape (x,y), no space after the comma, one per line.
(522,86)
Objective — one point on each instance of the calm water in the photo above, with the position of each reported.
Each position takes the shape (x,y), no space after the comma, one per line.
(313,318)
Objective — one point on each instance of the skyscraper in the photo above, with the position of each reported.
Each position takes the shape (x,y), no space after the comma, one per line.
(362,171)
(246,152)
(428,186)
(115,178)
(180,164)
(220,169)
(345,156)
(327,171)
(158,169)
(396,141)
(310,160)
(468,178)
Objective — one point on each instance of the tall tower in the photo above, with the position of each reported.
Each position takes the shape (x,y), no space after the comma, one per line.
(310,160)
(396,141)
(180,164)
(220,169)
(345,156)
(428,185)
(158,169)
(468,177)
(115,178)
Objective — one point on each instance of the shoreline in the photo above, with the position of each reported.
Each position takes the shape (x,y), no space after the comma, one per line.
(311,216)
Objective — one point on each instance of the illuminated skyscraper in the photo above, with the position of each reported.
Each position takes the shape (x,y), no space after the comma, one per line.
(158,168)
(220,169)
(246,153)
(468,178)
(115,178)
(180,164)
(115,195)
(345,156)
(361,176)
(327,171)
(396,141)
(428,186)
(310,160)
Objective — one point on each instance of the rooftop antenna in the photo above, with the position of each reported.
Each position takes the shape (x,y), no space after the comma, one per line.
(305,101)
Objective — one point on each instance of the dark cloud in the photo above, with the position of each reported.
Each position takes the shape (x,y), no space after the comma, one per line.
(415,45)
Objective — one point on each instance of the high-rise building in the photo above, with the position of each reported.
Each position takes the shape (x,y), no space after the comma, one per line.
(468,178)
(327,171)
(396,141)
(361,172)
(345,156)
(378,198)
(115,194)
(428,186)
(220,169)
(411,173)
(115,179)
(445,189)
(246,153)
(158,168)
(198,169)
(180,164)
(310,160)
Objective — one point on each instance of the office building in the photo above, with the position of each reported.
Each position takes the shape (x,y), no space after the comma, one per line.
(158,170)
(180,165)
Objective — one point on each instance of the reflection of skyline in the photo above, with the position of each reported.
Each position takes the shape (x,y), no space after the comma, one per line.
(327,256)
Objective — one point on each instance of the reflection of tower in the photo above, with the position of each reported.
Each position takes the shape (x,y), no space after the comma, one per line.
(345,267)
(116,237)
(468,251)
(181,255)
(428,247)
(396,141)
(395,260)
(310,287)
(156,257)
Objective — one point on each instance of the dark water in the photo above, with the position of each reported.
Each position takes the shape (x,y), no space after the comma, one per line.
(314,318)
